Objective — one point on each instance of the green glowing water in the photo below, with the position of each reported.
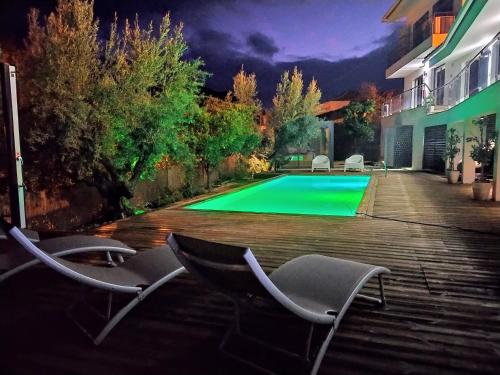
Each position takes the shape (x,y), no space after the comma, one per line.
(305,195)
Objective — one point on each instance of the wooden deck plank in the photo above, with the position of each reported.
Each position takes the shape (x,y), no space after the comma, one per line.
(444,292)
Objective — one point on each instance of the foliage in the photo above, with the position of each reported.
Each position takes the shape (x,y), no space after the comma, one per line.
(257,164)
(108,113)
(297,133)
(245,89)
(293,116)
(149,95)
(452,149)
(62,66)
(223,128)
(357,116)
(483,147)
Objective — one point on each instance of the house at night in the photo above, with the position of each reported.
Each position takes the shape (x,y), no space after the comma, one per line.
(449,58)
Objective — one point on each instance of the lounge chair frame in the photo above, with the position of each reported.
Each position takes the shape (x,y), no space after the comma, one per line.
(332,319)
(53,263)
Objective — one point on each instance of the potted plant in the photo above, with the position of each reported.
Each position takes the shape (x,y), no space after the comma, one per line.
(482,152)
(450,153)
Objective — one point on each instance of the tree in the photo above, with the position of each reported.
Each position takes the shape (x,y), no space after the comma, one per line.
(107,113)
(223,129)
(60,72)
(357,122)
(245,89)
(150,95)
(293,115)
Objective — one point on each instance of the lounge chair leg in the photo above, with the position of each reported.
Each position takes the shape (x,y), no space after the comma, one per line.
(308,342)
(140,297)
(110,306)
(322,351)
(116,319)
(381,287)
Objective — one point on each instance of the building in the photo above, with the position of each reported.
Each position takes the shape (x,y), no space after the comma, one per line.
(449,58)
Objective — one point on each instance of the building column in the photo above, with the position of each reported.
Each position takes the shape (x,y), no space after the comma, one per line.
(468,165)
(496,162)
(417,148)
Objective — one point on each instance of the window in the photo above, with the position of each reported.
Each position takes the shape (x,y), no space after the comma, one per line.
(439,77)
(418,91)
(421,30)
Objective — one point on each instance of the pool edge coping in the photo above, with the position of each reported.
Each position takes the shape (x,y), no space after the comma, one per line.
(365,206)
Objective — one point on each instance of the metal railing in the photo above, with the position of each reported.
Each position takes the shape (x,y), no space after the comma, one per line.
(479,73)
(409,99)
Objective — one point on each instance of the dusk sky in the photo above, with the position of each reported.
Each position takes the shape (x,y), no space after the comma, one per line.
(267,36)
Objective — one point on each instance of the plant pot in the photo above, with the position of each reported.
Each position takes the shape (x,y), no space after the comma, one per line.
(481,190)
(453,176)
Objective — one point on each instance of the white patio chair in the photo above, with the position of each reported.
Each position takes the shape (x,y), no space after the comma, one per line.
(354,162)
(320,162)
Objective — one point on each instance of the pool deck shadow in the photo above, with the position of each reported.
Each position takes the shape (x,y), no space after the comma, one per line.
(443,295)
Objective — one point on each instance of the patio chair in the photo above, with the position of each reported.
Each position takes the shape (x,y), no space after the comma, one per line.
(14,259)
(316,288)
(354,162)
(139,276)
(320,162)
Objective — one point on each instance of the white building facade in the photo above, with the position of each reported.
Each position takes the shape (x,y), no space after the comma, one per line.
(449,58)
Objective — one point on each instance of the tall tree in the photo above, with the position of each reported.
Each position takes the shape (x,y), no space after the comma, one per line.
(61,69)
(293,115)
(223,129)
(357,122)
(107,113)
(245,88)
(150,95)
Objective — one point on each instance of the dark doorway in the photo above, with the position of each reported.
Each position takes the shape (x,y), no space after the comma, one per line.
(434,147)
(403,146)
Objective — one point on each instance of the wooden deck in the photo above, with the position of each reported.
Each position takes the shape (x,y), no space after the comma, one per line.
(443,315)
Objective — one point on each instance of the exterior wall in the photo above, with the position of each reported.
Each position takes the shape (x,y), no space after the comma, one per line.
(460,117)
(408,80)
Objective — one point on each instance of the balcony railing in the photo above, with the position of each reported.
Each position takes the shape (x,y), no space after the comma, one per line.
(412,36)
(480,72)
(409,99)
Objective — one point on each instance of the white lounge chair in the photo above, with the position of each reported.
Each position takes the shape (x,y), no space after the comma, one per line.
(138,276)
(354,162)
(316,288)
(13,258)
(320,162)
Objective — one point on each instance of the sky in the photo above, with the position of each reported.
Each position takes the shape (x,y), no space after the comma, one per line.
(339,42)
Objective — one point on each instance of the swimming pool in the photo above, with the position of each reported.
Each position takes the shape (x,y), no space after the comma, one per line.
(294,194)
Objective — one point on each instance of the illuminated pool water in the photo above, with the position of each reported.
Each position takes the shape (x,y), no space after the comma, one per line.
(304,195)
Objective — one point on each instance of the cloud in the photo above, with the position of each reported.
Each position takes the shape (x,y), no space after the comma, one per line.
(215,41)
(262,45)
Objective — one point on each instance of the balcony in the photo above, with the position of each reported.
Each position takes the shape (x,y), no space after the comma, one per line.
(480,72)
(416,41)
(440,27)
(410,99)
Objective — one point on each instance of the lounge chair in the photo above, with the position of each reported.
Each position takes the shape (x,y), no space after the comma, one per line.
(354,162)
(14,259)
(320,162)
(316,288)
(139,275)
